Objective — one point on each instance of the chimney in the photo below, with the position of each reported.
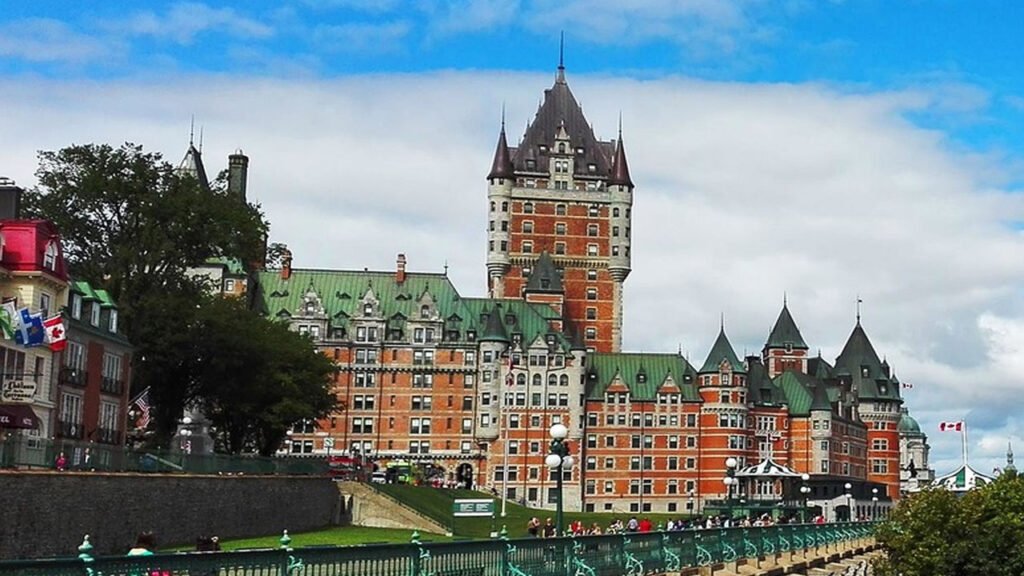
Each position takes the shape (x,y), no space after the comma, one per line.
(10,199)
(400,272)
(286,264)
(238,174)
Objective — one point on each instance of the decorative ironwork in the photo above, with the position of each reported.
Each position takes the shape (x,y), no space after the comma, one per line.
(634,566)
(673,563)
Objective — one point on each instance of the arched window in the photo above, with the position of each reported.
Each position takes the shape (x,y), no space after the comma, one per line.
(563,380)
(537,380)
(425,311)
(521,379)
(552,380)
(367,309)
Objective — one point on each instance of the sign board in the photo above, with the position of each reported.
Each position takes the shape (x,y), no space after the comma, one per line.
(328,443)
(17,391)
(469,507)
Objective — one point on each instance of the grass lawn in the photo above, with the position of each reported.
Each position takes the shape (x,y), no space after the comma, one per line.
(436,503)
(335,536)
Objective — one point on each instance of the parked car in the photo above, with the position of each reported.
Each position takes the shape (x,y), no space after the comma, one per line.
(379,478)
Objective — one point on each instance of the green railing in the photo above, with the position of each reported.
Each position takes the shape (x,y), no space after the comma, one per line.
(33,453)
(609,555)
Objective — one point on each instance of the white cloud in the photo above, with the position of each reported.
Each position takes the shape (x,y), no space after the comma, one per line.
(744,192)
(48,40)
(183,21)
(362,38)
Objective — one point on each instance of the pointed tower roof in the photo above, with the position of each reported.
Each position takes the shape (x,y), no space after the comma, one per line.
(819,398)
(494,330)
(1009,457)
(785,333)
(545,276)
(721,351)
(560,109)
(861,362)
(502,165)
(620,169)
(192,164)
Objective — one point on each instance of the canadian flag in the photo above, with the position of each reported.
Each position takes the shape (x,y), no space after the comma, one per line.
(951,426)
(56,336)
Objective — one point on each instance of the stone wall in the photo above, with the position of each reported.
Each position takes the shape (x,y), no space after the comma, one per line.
(47,513)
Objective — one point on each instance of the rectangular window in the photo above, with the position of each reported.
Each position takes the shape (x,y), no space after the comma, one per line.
(559,247)
(94,314)
(592,250)
(76,306)
(527,247)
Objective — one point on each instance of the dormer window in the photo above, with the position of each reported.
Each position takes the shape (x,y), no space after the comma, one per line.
(113,322)
(789,347)
(94,314)
(310,308)
(579,150)
(50,255)
(76,306)
(641,378)
(425,311)
(531,164)
(561,147)
(865,372)
(367,309)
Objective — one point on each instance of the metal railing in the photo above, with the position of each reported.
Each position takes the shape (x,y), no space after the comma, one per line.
(27,452)
(633,554)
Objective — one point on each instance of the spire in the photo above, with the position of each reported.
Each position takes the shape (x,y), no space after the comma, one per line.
(561,58)
(819,398)
(494,330)
(785,332)
(502,165)
(1009,457)
(620,169)
(859,302)
(721,351)
(545,276)
(192,164)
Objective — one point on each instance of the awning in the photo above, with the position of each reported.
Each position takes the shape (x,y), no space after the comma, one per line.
(18,416)
(768,468)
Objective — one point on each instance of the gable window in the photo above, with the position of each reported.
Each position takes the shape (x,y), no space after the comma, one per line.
(76,306)
(367,309)
(94,314)
(113,322)
(229,285)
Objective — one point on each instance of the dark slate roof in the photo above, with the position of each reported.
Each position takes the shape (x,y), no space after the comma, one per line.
(494,331)
(545,277)
(859,355)
(722,350)
(819,398)
(560,109)
(620,168)
(819,368)
(785,332)
(192,164)
(762,390)
(502,165)
(602,370)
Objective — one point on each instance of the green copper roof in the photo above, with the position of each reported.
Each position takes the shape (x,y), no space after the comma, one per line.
(643,374)
(722,350)
(859,360)
(797,388)
(89,293)
(785,333)
(908,424)
(494,330)
(545,277)
(232,265)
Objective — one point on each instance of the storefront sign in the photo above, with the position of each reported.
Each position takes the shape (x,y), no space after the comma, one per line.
(17,391)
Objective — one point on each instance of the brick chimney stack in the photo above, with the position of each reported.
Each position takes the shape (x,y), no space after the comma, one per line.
(238,174)
(286,264)
(400,271)
(10,199)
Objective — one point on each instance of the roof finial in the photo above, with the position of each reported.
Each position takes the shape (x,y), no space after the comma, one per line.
(859,301)
(721,321)
(445,266)
(502,115)
(785,299)
(561,57)
(620,125)
(200,139)
(192,131)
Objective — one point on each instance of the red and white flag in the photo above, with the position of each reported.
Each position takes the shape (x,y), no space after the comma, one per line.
(951,426)
(56,335)
(907,385)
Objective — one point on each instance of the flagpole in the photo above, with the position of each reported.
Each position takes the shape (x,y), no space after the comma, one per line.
(963,436)
(504,417)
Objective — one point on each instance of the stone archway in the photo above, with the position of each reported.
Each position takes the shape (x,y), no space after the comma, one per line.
(464,475)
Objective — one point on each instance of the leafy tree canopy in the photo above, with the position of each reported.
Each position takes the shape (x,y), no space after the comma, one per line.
(937,533)
(133,224)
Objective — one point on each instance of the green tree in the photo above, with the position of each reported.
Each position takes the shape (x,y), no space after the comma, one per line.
(256,377)
(134,225)
(937,533)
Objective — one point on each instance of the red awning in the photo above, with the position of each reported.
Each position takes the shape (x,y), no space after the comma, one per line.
(18,416)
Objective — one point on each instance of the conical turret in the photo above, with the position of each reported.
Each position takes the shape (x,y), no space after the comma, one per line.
(502,165)
(620,168)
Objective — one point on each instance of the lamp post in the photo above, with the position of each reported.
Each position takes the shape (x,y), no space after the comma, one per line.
(689,503)
(557,461)
(849,504)
(874,503)
(805,491)
(186,432)
(730,480)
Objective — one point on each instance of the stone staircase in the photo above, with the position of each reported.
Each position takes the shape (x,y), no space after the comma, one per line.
(370,508)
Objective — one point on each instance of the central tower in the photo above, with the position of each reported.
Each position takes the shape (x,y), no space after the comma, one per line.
(564,192)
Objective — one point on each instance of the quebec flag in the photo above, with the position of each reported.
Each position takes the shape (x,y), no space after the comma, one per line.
(29,329)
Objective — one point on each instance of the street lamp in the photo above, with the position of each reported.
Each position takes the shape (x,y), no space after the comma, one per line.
(805,491)
(689,503)
(874,503)
(849,504)
(558,460)
(730,480)
(186,432)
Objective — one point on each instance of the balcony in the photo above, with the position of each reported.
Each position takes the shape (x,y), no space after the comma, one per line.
(111,386)
(70,429)
(107,436)
(73,377)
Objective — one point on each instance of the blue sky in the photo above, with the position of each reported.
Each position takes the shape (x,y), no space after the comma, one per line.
(965,49)
(876,145)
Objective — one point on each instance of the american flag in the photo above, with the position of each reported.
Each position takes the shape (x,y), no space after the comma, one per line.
(142,403)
